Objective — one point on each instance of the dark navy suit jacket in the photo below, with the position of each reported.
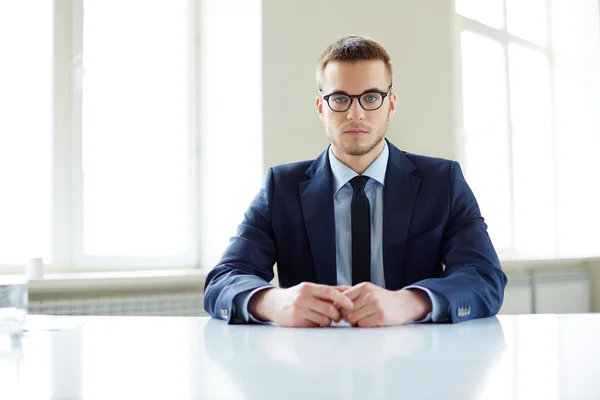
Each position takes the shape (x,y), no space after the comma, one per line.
(430,220)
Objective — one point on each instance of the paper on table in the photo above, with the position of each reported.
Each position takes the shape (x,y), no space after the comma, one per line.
(342,324)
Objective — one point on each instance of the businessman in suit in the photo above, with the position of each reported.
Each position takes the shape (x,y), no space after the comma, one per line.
(366,232)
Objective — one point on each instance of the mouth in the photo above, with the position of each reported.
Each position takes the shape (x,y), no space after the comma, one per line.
(355,132)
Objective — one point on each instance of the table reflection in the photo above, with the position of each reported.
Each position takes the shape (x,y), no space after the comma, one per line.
(432,360)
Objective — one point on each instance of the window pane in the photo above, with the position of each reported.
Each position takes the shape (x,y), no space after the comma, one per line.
(487,166)
(484,85)
(25,130)
(136,158)
(527,19)
(487,12)
(577,101)
(533,152)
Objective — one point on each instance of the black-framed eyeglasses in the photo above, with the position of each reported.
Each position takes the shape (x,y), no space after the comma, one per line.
(369,101)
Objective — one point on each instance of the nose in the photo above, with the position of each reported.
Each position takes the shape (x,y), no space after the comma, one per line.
(355,112)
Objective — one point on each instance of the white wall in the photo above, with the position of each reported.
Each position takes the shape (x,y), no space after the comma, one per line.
(416,33)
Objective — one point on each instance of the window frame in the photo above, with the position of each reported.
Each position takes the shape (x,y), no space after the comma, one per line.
(78,259)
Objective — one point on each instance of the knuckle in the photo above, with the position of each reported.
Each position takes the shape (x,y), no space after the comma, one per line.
(302,287)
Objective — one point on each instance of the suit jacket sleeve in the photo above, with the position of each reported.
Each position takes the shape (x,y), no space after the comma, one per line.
(473,282)
(247,263)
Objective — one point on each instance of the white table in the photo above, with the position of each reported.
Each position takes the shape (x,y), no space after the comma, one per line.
(509,357)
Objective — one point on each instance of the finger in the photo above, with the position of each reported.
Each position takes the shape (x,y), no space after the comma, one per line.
(356,316)
(355,291)
(316,318)
(325,308)
(329,293)
(352,293)
(357,307)
(342,288)
(306,323)
(373,320)
(361,301)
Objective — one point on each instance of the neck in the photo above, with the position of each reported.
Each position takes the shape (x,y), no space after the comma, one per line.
(359,164)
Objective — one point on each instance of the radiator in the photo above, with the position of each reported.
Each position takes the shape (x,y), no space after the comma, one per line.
(566,292)
(189,304)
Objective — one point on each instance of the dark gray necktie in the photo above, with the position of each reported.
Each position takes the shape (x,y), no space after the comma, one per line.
(361,231)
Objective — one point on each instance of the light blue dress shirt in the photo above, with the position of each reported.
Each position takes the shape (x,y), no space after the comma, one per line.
(342,199)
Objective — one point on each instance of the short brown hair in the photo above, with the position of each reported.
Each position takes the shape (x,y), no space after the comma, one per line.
(353,48)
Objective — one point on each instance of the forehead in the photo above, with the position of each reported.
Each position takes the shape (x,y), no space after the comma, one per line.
(354,76)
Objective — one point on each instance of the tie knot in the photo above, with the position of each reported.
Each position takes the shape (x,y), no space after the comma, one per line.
(359,182)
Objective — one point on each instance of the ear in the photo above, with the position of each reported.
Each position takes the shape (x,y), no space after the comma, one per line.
(393,103)
(319,104)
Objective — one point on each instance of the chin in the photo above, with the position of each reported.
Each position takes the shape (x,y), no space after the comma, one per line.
(357,146)
(354,149)
(358,151)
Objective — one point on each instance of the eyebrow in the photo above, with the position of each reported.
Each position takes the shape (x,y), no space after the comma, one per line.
(374,89)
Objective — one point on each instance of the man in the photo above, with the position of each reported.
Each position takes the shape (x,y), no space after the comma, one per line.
(366,233)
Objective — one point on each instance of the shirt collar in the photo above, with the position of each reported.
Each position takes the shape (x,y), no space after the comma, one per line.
(342,173)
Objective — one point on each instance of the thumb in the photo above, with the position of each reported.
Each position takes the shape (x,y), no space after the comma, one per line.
(342,288)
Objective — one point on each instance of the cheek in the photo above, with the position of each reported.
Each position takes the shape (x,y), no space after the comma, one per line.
(332,119)
(378,118)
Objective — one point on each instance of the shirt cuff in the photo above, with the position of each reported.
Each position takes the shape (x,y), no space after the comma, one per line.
(439,305)
(243,299)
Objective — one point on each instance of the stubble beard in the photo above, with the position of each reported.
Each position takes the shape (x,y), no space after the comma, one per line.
(356,149)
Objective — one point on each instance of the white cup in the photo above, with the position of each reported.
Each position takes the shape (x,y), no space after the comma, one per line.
(35,268)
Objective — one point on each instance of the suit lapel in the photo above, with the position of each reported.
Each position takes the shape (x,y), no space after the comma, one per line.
(399,196)
(316,198)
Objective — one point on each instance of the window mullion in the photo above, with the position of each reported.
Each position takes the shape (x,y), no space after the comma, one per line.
(75,137)
(509,128)
(501,35)
(61,151)
(553,128)
(509,137)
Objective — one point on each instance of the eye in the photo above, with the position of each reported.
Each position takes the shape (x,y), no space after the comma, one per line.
(371,97)
(340,99)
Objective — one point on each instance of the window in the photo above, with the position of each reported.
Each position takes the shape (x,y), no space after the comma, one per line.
(136,133)
(26,101)
(118,148)
(97,134)
(530,79)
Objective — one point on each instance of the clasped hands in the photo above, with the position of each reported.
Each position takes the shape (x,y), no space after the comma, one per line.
(363,305)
